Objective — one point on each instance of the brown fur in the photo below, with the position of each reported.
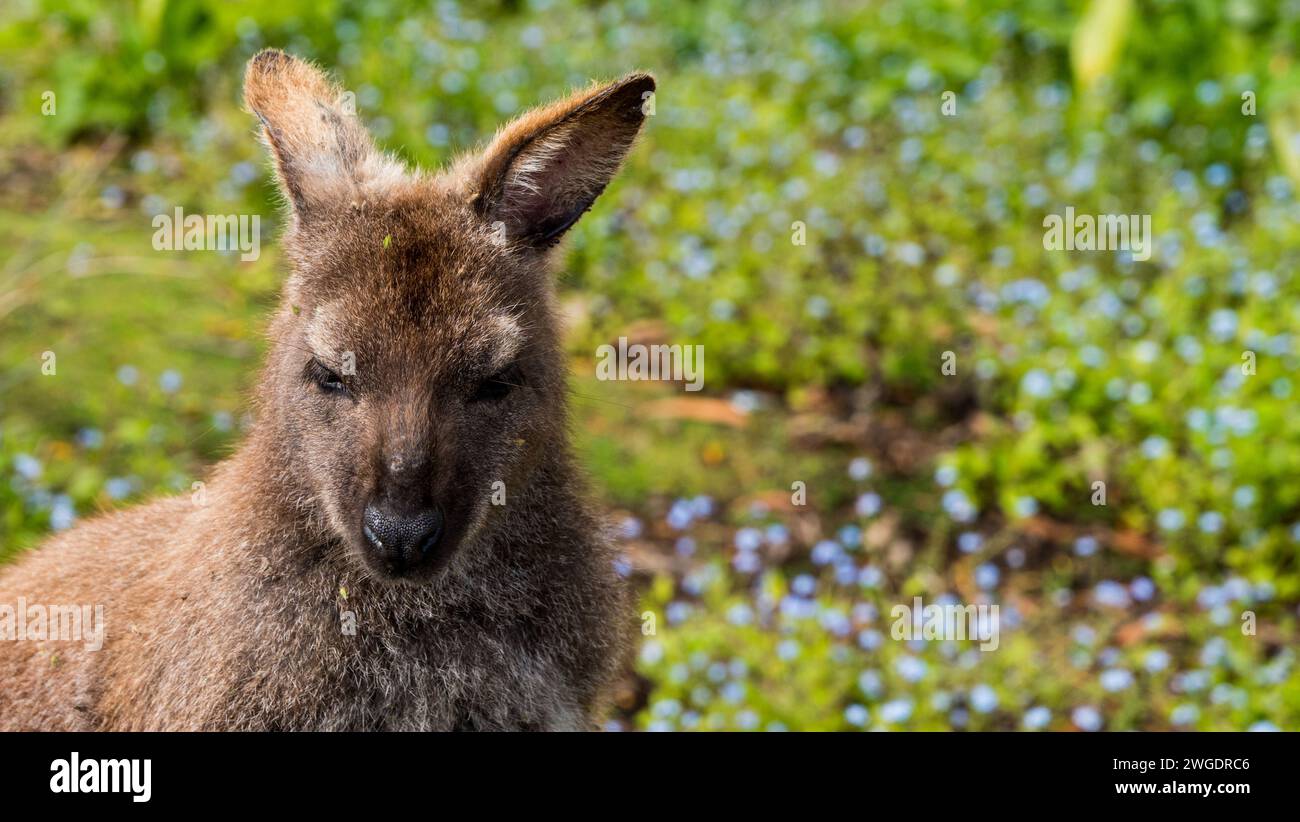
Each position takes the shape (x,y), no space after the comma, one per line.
(227,615)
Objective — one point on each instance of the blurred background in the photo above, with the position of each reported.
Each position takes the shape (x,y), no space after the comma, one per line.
(823,361)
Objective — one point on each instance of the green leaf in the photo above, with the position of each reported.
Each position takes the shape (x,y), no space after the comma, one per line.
(1099,39)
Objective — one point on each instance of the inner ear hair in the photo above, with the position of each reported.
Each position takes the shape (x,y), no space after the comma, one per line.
(545,170)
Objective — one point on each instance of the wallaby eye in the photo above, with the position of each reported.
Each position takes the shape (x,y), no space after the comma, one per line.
(324,378)
(499,385)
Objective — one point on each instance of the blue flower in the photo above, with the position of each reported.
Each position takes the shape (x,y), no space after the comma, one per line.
(1211,522)
(958,505)
(869,639)
(983,699)
(870,576)
(1142,589)
(622,567)
(1086,718)
(746,563)
(90,438)
(825,552)
(630,528)
(846,573)
(702,507)
(27,466)
(747,720)
(870,683)
(868,505)
(1211,596)
(987,576)
(1214,651)
(1036,718)
(733,692)
(1184,714)
(677,612)
(1156,660)
(896,711)
(748,539)
(860,468)
(857,715)
(1170,519)
(1192,681)
(1111,594)
(1153,448)
(62,513)
(1225,694)
(679,515)
(797,607)
(1036,383)
(1084,634)
(836,622)
(1223,324)
(804,585)
(1116,679)
(170,381)
(1025,506)
(652,652)
(910,668)
(850,536)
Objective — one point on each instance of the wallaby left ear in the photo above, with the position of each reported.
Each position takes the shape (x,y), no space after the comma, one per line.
(544,170)
(323,155)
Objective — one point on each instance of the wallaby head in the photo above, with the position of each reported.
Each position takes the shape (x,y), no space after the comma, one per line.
(415,359)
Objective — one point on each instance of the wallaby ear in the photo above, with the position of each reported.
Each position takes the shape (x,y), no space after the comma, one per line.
(545,169)
(322,153)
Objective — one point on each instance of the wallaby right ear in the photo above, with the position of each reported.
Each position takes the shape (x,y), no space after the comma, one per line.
(545,169)
(323,155)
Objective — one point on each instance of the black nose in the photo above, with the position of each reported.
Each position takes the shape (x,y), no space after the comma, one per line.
(402,538)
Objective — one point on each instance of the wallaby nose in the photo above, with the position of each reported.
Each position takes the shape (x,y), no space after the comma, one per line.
(403,539)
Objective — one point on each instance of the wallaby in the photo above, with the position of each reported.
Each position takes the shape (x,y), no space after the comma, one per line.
(351,566)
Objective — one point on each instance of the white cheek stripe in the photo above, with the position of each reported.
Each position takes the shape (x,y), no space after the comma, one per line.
(509,338)
(322,332)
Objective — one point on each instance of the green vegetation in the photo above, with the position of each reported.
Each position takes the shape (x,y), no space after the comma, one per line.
(923,235)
